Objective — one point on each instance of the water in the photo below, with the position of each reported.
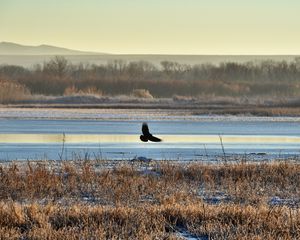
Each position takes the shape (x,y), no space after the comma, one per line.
(253,139)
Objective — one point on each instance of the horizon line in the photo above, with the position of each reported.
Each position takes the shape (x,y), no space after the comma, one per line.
(96,52)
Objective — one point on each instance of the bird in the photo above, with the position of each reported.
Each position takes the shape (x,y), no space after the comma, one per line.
(147,136)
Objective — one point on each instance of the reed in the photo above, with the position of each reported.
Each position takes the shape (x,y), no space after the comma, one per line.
(122,200)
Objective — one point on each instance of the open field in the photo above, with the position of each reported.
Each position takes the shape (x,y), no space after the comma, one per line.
(160,200)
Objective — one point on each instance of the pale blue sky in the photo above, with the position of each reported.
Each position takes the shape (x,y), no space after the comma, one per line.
(155,26)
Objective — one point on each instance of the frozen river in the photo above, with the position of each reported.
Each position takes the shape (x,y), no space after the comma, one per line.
(195,138)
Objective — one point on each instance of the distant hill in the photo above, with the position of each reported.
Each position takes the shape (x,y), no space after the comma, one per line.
(8,48)
(31,60)
(28,56)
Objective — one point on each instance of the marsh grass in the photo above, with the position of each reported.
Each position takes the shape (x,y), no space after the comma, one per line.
(12,91)
(123,200)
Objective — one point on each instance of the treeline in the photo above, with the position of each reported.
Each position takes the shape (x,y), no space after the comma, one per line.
(58,76)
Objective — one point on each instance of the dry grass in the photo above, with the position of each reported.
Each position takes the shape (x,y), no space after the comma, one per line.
(141,93)
(102,200)
(252,110)
(13,92)
(73,91)
(93,98)
(52,221)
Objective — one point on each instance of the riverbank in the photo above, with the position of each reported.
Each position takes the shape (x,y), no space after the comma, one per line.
(177,105)
(137,200)
(125,112)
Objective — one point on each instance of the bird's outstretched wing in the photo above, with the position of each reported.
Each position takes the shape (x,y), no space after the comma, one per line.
(154,139)
(145,129)
(147,135)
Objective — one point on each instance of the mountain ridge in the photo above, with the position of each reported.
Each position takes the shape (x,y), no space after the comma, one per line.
(10,48)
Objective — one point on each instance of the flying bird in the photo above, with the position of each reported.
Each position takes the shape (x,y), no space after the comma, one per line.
(147,136)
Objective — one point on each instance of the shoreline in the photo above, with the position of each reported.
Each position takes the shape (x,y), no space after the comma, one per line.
(142,112)
(172,109)
(191,107)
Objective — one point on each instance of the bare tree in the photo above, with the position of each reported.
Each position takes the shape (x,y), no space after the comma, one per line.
(58,66)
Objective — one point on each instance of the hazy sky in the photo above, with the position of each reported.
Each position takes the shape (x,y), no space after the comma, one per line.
(155,26)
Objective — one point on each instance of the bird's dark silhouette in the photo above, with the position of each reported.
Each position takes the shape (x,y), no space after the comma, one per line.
(147,136)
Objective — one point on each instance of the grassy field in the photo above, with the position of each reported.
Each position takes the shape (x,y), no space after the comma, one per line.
(132,200)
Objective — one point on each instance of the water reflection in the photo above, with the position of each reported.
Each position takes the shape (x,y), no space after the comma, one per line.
(43,139)
(134,138)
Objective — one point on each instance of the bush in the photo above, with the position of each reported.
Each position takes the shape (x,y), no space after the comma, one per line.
(141,93)
(139,79)
(12,91)
(72,90)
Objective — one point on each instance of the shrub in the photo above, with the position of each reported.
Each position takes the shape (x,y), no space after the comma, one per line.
(141,93)
(11,91)
(72,90)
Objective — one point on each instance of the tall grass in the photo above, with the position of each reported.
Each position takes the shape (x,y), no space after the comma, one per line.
(79,221)
(141,93)
(102,200)
(11,91)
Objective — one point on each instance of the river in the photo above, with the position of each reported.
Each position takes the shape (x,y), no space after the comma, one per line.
(202,139)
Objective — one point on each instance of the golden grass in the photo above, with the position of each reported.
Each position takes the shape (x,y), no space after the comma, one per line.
(106,200)
(141,93)
(73,91)
(79,221)
(12,91)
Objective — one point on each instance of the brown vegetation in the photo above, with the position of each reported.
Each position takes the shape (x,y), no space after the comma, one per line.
(267,78)
(11,91)
(106,200)
(141,93)
(73,91)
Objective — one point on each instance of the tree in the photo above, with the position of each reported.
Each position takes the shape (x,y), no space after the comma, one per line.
(58,66)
